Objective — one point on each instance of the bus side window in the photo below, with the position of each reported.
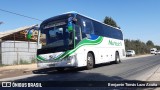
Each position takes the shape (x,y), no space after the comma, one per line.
(87,26)
(78,35)
(98,29)
(84,35)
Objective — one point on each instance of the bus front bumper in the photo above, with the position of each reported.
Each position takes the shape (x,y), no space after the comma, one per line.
(60,63)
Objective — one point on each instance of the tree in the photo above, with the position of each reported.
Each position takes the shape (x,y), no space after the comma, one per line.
(158,47)
(149,43)
(137,45)
(110,21)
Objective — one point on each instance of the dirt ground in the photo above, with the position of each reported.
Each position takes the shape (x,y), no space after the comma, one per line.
(16,70)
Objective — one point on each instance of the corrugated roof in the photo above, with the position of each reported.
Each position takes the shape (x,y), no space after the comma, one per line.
(3,34)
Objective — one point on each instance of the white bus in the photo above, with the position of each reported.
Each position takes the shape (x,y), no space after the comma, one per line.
(74,40)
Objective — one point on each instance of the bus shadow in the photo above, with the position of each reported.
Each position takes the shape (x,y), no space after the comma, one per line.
(54,71)
(83,81)
(104,64)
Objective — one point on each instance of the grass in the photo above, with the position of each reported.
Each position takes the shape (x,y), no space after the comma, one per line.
(22,61)
(33,60)
(2,65)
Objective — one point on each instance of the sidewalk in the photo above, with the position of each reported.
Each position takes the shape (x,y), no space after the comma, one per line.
(26,66)
(155,76)
(138,56)
(16,70)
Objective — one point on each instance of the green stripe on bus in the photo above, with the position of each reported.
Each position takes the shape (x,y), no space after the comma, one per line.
(84,42)
(40,58)
(80,44)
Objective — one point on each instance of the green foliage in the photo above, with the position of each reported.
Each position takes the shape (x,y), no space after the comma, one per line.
(23,62)
(158,47)
(150,44)
(110,21)
(139,46)
(1,65)
(33,60)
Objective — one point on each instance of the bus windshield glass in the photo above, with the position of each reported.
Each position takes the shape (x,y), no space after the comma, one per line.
(55,35)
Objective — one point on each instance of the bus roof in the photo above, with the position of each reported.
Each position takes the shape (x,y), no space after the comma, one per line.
(73,12)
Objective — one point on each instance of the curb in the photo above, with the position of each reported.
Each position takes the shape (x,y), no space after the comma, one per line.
(139,56)
(155,75)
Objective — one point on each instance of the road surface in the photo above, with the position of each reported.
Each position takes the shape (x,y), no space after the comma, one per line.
(130,69)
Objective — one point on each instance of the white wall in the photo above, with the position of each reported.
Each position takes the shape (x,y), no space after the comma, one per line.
(12,52)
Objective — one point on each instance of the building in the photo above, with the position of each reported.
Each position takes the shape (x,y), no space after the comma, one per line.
(15,48)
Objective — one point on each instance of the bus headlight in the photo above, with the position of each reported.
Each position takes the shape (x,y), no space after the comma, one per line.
(71,59)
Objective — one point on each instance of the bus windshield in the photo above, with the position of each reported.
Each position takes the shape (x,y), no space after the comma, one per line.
(56,36)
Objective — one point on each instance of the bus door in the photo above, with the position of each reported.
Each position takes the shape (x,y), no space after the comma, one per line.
(78,34)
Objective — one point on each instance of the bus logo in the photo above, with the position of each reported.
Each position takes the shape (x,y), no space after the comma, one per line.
(114,43)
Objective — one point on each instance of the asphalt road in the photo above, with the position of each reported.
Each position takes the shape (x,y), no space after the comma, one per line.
(131,69)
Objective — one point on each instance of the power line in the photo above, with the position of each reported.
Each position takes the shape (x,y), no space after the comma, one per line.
(20,14)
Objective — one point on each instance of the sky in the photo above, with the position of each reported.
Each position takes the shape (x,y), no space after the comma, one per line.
(138,19)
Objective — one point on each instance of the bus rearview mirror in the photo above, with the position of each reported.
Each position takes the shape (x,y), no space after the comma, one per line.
(29,34)
(70,27)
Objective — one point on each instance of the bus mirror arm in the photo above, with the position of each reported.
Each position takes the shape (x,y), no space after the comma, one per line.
(31,30)
(71,20)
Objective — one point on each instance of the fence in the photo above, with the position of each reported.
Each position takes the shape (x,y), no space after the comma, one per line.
(17,52)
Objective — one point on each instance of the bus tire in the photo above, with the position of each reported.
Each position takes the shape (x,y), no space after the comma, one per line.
(117,58)
(90,61)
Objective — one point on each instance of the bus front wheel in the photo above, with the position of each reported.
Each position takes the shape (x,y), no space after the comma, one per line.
(90,61)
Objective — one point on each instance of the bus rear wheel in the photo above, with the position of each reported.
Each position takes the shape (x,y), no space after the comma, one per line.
(90,61)
(117,58)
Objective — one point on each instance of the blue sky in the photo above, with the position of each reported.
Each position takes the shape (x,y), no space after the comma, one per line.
(138,19)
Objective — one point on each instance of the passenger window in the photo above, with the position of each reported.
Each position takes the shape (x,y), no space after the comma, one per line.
(83,35)
(78,35)
(87,27)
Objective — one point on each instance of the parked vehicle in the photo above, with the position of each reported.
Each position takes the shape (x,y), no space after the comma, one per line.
(153,50)
(157,52)
(130,53)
